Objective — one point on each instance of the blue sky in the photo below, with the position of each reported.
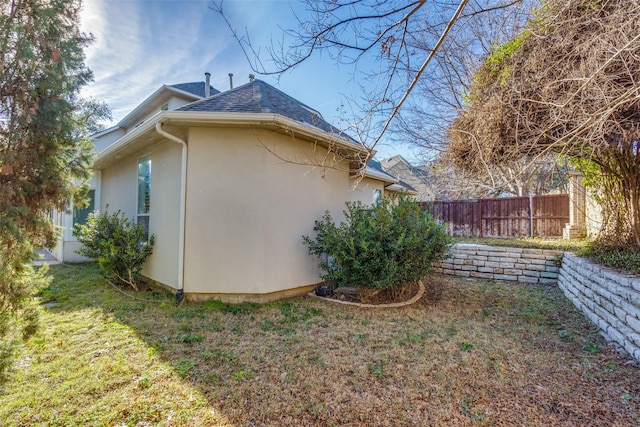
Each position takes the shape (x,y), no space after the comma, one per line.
(142,44)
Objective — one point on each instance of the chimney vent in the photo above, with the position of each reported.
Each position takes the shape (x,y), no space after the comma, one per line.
(230,80)
(207,85)
(251,78)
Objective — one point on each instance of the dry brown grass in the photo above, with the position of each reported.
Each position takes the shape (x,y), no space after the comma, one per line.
(470,352)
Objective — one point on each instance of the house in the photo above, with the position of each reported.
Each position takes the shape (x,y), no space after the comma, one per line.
(228,184)
(167,97)
(411,176)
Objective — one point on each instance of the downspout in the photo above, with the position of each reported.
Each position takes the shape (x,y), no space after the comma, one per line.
(183,205)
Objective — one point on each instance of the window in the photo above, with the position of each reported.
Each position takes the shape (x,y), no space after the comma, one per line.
(80,216)
(377,197)
(144,191)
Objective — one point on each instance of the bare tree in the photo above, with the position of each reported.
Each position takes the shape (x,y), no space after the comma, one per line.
(402,36)
(569,84)
(438,99)
(519,178)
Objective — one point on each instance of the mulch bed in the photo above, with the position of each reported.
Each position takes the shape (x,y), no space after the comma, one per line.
(385,296)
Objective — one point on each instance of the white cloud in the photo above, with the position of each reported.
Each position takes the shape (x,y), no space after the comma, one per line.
(141,45)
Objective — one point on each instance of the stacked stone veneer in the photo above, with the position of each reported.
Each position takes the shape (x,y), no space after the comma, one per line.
(609,299)
(502,263)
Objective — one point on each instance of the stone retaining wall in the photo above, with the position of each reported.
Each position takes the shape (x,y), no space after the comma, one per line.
(609,299)
(502,263)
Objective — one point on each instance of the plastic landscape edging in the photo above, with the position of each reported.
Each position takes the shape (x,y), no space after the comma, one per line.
(410,301)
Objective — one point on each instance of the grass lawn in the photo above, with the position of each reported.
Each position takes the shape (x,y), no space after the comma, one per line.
(468,353)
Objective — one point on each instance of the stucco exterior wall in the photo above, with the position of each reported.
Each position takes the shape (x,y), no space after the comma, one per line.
(247,211)
(102,142)
(67,245)
(164,218)
(119,191)
(119,186)
(363,191)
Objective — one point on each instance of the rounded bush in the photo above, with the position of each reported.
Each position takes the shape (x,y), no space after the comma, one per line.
(390,245)
(118,245)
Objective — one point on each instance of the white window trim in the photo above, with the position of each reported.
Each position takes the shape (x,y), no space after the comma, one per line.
(148,214)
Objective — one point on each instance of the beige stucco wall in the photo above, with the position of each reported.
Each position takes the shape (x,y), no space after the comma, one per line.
(119,186)
(102,142)
(362,190)
(119,191)
(247,211)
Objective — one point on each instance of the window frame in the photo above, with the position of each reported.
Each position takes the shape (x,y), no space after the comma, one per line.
(145,212)
(91,194)
(377,197)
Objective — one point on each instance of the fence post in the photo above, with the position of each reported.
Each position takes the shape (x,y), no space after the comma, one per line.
(530,215)
(481,218)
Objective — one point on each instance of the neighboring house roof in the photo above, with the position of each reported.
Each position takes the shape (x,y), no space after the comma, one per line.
(260,97)
(398,163)
(409,175)
(373,170)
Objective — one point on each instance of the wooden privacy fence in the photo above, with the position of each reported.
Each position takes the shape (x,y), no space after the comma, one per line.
(535,216)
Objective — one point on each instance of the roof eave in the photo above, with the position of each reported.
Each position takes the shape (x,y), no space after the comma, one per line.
(195,118)
(370,172)
(399,188)
(105,132)
(262,119)
(128,119)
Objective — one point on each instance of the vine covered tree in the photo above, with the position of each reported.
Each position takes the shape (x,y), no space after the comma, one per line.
(44,149)
(569,84)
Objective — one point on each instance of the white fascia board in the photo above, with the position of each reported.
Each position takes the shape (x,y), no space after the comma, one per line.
(139,110)
(187,118)
(125,140)
(370,172)
(397,187)
(259,120)
(104,132)
(184,92)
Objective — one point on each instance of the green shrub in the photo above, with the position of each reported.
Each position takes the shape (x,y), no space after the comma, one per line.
(387,246)
(118,245)
(621,257)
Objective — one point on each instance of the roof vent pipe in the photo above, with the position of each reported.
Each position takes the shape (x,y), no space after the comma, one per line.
(207,85)
(251,78)
(230,80)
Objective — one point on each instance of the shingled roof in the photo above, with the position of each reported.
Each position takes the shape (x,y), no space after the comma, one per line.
(260,97)
(196,88)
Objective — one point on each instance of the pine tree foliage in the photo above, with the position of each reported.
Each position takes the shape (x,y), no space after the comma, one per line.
(44,147)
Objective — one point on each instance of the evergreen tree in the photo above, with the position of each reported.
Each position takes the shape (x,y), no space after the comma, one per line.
(44,147)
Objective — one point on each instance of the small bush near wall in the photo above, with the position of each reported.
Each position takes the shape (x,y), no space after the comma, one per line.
(118,245)
(387,246)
